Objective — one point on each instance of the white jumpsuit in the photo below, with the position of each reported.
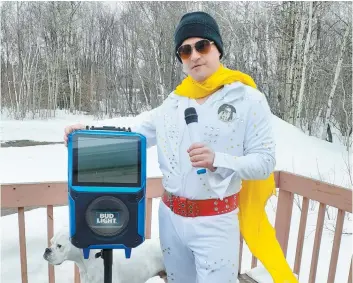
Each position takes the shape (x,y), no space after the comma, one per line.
(235,122)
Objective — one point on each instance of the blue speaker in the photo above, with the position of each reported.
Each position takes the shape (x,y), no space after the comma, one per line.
(106,188)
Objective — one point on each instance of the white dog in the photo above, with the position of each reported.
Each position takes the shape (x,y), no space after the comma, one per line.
(146,261)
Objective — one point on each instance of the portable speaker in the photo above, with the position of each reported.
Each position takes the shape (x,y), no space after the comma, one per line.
(106,188)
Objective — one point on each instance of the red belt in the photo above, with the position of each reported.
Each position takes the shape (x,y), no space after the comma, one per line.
(205,207)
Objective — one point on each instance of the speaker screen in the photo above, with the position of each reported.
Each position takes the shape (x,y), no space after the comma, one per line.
(106,161)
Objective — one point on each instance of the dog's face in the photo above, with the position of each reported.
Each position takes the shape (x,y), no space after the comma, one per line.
(61,249)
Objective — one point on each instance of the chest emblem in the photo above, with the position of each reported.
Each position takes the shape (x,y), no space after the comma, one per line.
(226,113)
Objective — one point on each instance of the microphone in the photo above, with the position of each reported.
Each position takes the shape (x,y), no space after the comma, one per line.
(191,119)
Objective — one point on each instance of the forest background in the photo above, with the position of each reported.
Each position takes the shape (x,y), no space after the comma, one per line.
(111,59)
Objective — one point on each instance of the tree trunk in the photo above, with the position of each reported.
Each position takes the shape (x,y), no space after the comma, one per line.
(334,84)
(305,62)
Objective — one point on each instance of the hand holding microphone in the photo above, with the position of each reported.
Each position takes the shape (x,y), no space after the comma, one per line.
(200,155)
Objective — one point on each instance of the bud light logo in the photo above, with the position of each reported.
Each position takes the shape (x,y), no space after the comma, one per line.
(107,219)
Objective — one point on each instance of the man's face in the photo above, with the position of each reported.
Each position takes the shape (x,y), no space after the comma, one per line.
(201,66)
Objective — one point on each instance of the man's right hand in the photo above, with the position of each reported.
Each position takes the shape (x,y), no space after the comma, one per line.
(70,129)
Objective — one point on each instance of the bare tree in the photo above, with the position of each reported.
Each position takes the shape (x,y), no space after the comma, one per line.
(89,57)
(335,80)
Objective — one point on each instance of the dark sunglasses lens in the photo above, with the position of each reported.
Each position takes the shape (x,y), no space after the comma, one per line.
(184,51)
(203,46)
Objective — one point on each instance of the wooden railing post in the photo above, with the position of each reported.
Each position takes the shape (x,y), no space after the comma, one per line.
(301,235)
(23,250)
(317,242)
(50,233)
(350,272)
(148,218)
(283,218)
(77,274)
(336,246)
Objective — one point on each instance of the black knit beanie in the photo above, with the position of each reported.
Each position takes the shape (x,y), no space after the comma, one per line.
(197,24)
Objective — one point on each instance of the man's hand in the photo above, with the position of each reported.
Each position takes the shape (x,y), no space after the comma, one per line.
(70,129)
(201,156)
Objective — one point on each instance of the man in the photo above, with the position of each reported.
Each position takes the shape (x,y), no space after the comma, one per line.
(198,215)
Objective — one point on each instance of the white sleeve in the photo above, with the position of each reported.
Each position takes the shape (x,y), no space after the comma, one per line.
(143,124)
(258,161)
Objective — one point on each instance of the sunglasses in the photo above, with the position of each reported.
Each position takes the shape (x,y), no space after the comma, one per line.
(202,46)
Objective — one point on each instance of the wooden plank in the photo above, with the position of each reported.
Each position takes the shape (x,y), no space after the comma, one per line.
(54,193)
(253,262)
(154,187)
(50,233)
(336,246)
(243,278)
(277,176)
(322,192)
(283,218)
(23,250)
(301,236)
(148,222)
(22,195)
(317,243)
(350,273)
(241,244)
(77,274)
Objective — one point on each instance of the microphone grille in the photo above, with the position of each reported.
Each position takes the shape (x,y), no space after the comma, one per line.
(190,115)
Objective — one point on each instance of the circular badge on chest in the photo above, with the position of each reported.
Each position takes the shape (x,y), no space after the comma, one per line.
(226,113)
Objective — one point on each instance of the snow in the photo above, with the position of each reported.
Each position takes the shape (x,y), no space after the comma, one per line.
(296,152)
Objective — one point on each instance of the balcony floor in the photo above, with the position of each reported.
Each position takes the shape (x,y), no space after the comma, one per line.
(243,278)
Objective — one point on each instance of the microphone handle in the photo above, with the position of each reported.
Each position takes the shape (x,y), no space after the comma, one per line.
(194,138)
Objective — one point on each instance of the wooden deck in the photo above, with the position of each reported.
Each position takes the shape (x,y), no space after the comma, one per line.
(19,197)
(243,278)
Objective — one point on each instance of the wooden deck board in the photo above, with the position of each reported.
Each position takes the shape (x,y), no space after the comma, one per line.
(243,278)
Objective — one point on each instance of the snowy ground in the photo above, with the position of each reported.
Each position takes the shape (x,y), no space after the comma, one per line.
(296,152)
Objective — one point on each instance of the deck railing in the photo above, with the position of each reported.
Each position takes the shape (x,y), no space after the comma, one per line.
(20,196)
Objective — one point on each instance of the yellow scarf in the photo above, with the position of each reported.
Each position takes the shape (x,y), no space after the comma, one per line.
(255,227)
(193,89)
